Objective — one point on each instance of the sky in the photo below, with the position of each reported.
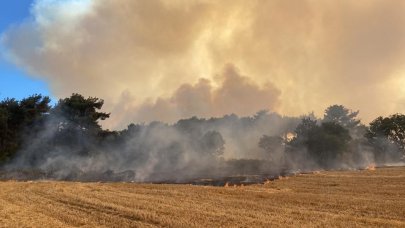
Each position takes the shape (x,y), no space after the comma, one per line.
(14,82)
(170,59)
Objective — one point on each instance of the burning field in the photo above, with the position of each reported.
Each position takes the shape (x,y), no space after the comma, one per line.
(202,113)
(339,198)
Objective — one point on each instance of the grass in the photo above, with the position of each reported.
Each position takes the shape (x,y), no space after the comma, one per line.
(325,199)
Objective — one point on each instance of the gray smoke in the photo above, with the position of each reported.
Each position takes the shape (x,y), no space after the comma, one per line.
(185,151)
(189,149)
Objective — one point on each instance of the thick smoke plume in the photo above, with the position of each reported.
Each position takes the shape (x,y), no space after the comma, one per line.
(234,94)
(147,56)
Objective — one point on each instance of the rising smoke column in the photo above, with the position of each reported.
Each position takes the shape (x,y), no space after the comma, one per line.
(139,55)
(235,93)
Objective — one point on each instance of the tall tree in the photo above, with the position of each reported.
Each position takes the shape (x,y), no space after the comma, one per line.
(80,113)
(324,143)
(341,115)
(18,121)
(387,136)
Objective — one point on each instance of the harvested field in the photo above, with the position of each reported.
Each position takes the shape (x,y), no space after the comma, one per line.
(341,199)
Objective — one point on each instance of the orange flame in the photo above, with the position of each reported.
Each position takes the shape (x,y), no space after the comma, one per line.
(371,167)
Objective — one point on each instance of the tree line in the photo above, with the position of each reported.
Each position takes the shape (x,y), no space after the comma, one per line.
(35,134)
(340,138)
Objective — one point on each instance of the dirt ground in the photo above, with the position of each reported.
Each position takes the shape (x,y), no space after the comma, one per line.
(325,199)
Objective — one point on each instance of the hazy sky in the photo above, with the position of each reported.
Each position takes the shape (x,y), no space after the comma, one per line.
(168,59)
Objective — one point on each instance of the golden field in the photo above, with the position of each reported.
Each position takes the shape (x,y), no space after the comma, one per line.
(340,199)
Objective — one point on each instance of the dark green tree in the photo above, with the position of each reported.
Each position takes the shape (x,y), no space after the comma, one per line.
(18,121)
(76,120)
(387,136)
(328,142)
(80,113)
(324,143)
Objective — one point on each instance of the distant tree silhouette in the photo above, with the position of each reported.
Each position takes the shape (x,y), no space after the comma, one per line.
(387,136)
(324,143)
(213,143)
(341,115)
(272,145)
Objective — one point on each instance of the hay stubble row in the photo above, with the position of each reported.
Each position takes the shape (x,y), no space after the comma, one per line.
(346,198)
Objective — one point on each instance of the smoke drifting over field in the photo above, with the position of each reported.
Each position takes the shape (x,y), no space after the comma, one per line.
(229,149)
(165,60)
(190,149)
(144,56)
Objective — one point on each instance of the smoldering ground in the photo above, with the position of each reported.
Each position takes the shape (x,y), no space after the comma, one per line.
(160,60)
(249,149)
(189,149)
